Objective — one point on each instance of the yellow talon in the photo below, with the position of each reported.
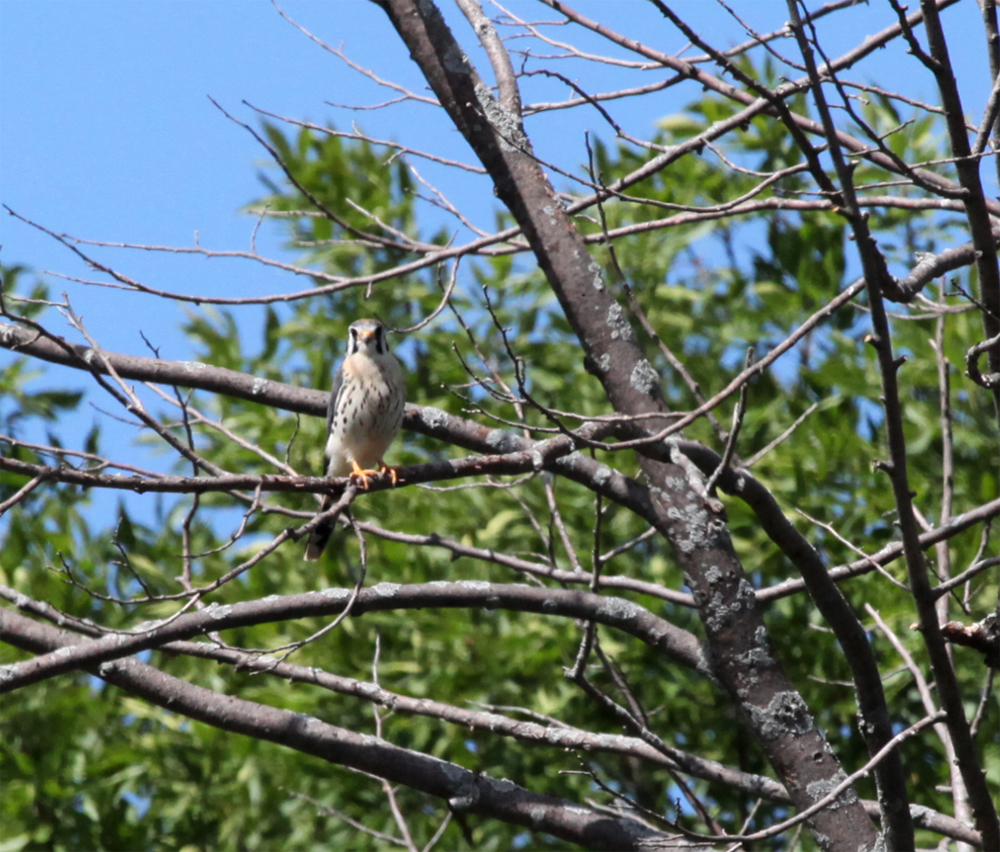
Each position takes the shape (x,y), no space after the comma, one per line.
(359,473)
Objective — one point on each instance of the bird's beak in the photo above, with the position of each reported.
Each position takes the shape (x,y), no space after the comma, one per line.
(366,335)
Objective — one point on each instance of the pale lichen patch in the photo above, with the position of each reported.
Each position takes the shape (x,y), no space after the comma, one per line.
(644,378)
(336,594)
(618,324)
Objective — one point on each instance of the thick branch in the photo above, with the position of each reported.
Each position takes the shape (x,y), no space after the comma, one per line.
(684,514)
(677,644)
(464,790)
(470,435)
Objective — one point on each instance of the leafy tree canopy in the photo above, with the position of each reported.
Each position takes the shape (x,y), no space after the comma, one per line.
(715,258)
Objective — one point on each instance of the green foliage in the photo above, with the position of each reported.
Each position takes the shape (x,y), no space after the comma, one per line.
(86,766)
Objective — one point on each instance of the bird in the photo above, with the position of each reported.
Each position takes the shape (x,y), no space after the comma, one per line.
(363,416)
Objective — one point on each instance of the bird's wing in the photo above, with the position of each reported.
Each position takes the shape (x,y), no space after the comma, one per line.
(331,406)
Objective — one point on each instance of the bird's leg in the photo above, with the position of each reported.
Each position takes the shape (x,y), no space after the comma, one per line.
(383,467)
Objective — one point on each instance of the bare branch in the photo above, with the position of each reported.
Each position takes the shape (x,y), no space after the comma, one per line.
(464,789)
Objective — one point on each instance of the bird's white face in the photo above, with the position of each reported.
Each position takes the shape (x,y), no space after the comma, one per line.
(368,337)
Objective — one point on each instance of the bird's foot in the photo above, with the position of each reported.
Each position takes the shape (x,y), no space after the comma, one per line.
(357,472)
(360,473)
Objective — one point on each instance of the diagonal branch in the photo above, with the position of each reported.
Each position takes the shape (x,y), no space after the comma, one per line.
(696,527)
(876,279)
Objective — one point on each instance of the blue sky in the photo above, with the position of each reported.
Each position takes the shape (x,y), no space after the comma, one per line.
(107,132)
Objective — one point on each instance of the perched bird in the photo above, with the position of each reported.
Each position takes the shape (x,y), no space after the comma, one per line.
(363,416)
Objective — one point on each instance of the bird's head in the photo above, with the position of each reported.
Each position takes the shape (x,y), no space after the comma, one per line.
(368,336)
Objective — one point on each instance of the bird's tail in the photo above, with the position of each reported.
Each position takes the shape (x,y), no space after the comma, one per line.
(321,534)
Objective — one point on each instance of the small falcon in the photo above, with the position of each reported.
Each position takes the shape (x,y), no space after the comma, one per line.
(363,416)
